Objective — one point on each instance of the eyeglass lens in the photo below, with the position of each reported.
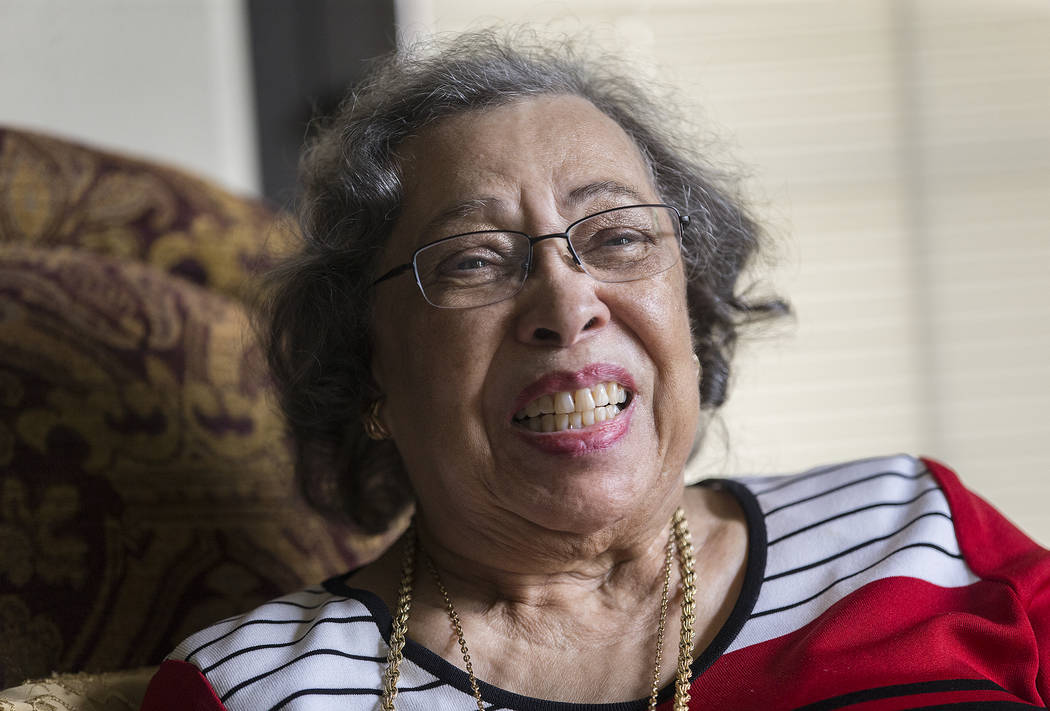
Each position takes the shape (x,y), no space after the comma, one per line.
(475,269)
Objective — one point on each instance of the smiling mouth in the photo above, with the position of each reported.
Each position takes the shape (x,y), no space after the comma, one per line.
(574,409)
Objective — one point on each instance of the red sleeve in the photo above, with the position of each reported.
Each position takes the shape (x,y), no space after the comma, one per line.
(997,550)
(180,686)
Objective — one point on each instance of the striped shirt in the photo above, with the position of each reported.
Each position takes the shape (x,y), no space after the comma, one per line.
(875,584)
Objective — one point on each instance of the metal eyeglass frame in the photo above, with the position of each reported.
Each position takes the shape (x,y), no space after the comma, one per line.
(683,221)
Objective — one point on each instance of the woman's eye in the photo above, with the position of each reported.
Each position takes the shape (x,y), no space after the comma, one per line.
(472,263)
(619,238)
(478,264)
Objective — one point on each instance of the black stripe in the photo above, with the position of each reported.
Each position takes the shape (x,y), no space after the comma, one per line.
(277,645)
(337,585)
(312,653)
(901,690)
(847,485)
(844,514)
(231,618)
(314,623)
(980,706)
(853,575)
(795,479)
(352,691)
(853,549)
(752,585)
(301,606)
(791,480)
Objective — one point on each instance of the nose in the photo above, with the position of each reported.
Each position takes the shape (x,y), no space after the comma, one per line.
(560,304)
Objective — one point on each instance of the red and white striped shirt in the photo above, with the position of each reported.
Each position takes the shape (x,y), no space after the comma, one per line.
(872,585)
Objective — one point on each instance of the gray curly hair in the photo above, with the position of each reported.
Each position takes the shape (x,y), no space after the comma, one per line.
(317,315)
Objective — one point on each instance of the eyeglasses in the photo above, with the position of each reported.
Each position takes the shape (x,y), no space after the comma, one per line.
(480,268)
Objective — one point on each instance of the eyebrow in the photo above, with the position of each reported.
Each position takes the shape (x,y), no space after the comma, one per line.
(459,210)
(576,197)
(590,191)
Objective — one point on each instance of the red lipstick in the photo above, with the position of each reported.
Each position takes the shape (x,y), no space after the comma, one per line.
(592,438)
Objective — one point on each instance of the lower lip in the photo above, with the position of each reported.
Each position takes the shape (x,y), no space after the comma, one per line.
(577,443)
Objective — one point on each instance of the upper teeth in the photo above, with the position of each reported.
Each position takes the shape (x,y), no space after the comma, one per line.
(571,409)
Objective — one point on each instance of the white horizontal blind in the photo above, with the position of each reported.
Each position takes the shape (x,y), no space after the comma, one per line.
(898,152)
(981,88)
(167,79)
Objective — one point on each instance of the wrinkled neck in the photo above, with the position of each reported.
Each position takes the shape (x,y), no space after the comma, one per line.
(517,565)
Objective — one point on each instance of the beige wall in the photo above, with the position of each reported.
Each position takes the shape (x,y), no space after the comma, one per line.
(900,153)
(169,79)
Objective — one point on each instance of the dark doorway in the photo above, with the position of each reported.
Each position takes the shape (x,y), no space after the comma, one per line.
(305,55)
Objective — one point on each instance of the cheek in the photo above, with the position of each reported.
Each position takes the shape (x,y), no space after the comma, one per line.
(671,347)
(430,368)
(663,307)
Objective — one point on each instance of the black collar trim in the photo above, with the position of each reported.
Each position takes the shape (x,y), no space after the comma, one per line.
(501,698)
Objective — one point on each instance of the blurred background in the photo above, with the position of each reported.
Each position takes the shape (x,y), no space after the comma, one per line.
(897,150)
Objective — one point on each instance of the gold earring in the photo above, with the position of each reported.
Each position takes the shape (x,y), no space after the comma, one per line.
(374,427)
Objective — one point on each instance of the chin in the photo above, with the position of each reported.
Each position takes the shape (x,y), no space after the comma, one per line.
(586,502)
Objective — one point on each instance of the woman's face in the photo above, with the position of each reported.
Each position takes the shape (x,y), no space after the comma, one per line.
(457,381)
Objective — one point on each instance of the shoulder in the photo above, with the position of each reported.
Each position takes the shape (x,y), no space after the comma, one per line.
(855,478)
(321,648)
(826,533)
(865,494)
(856,501)
(259,659)
(884,497)
(886,504)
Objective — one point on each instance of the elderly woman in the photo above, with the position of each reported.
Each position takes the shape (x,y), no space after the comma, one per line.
(516,299)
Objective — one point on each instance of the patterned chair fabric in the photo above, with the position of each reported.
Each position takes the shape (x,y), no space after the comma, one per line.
(113,691)
(145,480)
(56,193)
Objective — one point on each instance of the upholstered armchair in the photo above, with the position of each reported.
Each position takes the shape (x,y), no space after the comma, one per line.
(145,478)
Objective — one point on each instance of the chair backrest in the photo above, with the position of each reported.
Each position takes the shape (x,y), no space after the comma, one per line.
(113,691)
(146,484)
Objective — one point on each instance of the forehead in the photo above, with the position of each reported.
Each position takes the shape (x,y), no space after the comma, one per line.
(520,154)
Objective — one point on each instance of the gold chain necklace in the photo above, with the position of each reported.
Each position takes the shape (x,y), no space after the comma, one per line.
(679,541)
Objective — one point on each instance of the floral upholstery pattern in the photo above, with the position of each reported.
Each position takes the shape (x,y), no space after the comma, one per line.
(145,479)
(115,691)
(56,193)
